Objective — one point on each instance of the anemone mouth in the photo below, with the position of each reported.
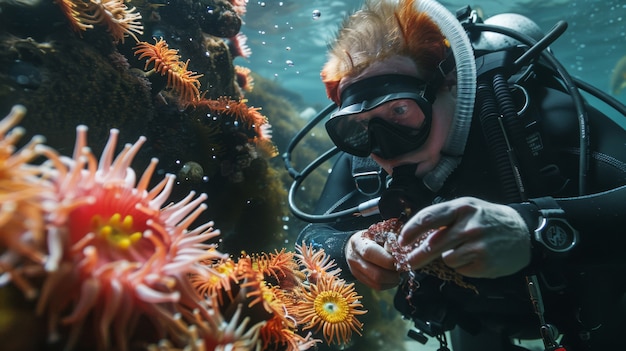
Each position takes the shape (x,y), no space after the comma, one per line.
(332,307)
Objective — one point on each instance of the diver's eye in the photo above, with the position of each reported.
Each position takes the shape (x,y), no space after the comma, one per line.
(400,110)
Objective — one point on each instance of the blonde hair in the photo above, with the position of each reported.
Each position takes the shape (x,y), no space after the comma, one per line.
(379,30)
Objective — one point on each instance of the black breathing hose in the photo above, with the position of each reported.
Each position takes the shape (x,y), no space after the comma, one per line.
(489,120)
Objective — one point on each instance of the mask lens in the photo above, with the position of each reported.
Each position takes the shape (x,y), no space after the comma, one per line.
(358,135)
(350,135)
(389,140)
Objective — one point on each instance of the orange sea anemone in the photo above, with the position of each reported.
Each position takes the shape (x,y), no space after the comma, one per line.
(224,275)
(76,13)
(115,252)
(113,14)
(315,262)
(216,334)
(280,267)
(118,18)
(167,62)
(244,79)
(239,110)
(331,305)
(23,197)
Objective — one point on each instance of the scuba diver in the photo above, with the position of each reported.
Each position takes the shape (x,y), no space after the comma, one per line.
(509,187)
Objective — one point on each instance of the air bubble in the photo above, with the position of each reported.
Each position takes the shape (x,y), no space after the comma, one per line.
(316,14)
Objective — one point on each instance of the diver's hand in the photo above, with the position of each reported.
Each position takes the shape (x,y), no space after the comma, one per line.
(370,263)
(474,237)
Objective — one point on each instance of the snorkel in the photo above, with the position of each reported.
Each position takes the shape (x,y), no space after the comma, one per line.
(466,91)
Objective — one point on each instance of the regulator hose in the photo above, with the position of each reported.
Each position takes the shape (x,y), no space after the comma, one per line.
(463,53)
(489,120)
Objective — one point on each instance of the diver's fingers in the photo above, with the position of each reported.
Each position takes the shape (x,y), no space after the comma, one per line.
(429,218)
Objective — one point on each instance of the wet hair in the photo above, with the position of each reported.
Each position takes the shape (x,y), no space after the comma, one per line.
(379,30)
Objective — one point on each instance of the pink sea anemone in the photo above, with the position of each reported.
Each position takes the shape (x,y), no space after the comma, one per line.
(115,253)
(238,46)
(240,6)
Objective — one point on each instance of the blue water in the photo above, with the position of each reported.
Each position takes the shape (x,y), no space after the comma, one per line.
(289,43)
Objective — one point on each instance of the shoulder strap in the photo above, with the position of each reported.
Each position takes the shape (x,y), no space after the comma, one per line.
(367,175)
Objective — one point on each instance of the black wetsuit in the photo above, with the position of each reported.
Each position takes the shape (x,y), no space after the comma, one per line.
(582,291)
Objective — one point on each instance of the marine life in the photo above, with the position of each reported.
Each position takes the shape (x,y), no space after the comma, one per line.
(331,305)
(23,197)
(115,252)
(240,6)
(238,47)
(244,79)
(113,14)
(385,234)
(167,62)
(315,263)
(249,116)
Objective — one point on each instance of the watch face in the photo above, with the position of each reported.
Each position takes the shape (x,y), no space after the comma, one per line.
(557,236)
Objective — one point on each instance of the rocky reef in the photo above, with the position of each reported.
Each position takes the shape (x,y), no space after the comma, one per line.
(66,76)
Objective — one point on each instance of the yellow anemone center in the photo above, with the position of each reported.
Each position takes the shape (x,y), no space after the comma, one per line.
(331,306)
(117,231)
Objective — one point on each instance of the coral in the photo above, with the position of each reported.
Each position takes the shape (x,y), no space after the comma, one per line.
(167,63)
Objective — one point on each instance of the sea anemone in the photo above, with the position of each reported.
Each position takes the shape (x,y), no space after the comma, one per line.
(315,263)
(244,79)
(216,334)
(75,12)
(331,305)
(225,275)
(167,62)
(248,117)
(117,17)
(238,46)
(240,6)
(22,204)
(113,14)
(280,267)
(115,253)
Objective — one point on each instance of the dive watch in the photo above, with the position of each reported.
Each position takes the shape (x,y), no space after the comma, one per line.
(554,234)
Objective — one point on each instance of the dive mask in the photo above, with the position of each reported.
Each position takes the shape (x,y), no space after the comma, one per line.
(359,136)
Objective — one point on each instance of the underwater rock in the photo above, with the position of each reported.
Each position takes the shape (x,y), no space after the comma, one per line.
(25,74)
(214,17)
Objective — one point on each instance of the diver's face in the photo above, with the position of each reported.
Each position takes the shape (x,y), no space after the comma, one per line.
(406,112)
(428,155)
